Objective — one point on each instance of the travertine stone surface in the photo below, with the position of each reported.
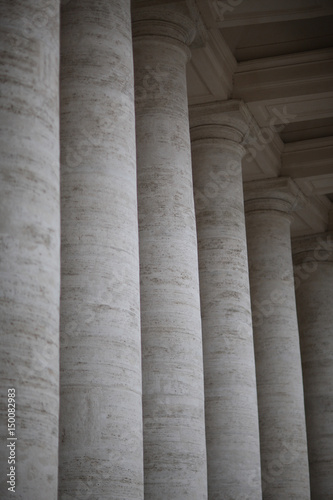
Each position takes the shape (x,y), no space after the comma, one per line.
(284,460)
(233,451)
(101,443)
(313,259)
(173,396)
(30,243)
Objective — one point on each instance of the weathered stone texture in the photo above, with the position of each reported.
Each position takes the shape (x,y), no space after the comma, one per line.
(313,259)
(233,454)
(30,242)
(283,444)
(173,396)
(101,445)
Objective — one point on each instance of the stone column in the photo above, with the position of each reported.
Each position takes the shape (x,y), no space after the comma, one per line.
(30,247)
(284,460)
(173,395)
(101,447)
(313,259)
(233,451)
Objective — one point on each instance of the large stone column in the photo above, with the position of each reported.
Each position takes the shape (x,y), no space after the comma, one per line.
(173,396)
(313,259)
(101,447)
(284,460)
(233,451)
(29,248)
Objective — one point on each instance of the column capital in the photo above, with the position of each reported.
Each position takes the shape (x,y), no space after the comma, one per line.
(162,22)
(223,122)
(313,247)
(280,194)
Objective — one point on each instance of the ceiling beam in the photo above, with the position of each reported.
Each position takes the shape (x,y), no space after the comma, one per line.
(239,13)
(307,73)
(310,162)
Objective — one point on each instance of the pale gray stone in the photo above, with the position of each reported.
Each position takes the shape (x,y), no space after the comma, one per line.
(30,243)
(101,442)
(313,259)
(173,395)
(284,461)
(233,451)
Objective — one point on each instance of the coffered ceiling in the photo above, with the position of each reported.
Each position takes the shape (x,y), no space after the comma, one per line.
(277,57)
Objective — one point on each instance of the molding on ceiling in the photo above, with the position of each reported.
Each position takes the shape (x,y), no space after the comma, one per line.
(215,65)
(228,15)
(277,91)
(313,216)
(311,162)
(293,109)
(284,76)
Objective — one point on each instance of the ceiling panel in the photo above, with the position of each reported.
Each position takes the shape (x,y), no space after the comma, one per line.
(311,129)
(279,38)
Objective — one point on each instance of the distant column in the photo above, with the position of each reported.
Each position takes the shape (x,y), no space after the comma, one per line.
(101,441)
(284,459)
(233,451)
(173,395)
(313,259)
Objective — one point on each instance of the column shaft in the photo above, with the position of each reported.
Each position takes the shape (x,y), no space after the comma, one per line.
(101,452)
(284,460)
(30,245)
(313,258)
(233,451)
(173,399)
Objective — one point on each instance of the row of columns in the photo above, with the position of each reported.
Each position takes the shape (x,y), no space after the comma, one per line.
(190,421)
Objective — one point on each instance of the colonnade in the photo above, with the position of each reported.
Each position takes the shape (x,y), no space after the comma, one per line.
(172,386)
